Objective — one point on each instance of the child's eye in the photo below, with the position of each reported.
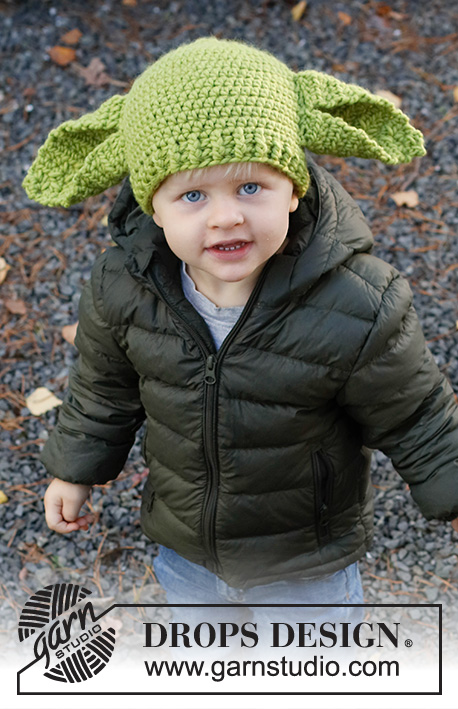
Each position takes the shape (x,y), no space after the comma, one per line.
(193,196)
(251,188)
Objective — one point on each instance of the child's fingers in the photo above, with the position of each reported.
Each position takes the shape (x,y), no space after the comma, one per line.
(85,521)
(57,522)
(63,527)
(71,509)
(53,512)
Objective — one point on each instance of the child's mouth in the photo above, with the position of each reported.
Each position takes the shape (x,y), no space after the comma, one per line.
(234,246)
(231,250)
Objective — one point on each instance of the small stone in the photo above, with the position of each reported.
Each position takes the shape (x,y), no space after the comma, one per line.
(431,594)
(405,576)
(416,613)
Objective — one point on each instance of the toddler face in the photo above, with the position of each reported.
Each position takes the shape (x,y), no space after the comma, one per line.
(224,227)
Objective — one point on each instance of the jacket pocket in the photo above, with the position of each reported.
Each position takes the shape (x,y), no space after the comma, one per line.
(148,496)
(323,478)
(143,446)
(150,501)
(363,468)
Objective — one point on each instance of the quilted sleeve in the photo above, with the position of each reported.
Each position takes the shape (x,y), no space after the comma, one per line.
(405,406)
(102,409)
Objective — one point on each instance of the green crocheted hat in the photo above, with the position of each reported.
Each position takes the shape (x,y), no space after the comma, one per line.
(212,102)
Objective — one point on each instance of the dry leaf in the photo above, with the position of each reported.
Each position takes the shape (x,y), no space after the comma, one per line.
(71,37)
(9,107)
(383,10)
(31,553)
(455,94)
(3,497)
(94,74)
(23,574)
(63,56)
(115,623)
(395,100)
(16,306)
(4,268)
(130,3)
(298,10)
(69,332)
(41,400)
(344,18)
(138,478)
(407,199)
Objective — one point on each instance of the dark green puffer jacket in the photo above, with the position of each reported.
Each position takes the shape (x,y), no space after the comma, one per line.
(258,454)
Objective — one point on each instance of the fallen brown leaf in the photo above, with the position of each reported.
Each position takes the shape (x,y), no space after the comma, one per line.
(71,37)
(395,100)
(138,478)
(129,3)
(23,574)
(63,56)
(298,10)
(344,18)
(9,107)
(94,74)
(69,332)
(383,10)
(4,268)
(406,199)
(41,400)
(115,623)
(16,306)
(455,94)
(31,553)
(397,15)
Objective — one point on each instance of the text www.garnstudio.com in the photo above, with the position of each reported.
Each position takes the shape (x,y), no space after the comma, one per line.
(316,666)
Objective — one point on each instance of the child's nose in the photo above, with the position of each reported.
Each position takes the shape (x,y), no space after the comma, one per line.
(224,213)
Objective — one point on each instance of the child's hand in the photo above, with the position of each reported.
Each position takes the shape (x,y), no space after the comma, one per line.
(63,502)
(455,524)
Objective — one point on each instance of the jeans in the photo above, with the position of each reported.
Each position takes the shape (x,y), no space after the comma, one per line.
(187,583)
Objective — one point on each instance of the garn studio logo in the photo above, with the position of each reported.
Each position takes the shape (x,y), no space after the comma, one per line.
(77,656)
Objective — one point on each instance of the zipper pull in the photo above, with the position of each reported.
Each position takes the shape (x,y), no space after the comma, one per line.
(210,368)
(324,515)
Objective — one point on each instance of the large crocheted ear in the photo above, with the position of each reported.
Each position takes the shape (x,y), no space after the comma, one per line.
(346,120)
(80,158)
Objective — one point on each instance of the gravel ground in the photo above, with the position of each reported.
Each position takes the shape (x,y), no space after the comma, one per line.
(406,48)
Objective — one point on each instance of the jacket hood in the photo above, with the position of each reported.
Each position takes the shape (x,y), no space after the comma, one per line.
(326,229)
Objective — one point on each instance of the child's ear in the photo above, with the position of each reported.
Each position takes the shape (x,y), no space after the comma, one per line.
(294,202)
(157,219)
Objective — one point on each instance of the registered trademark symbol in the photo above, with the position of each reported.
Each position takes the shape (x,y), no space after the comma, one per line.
(408,642)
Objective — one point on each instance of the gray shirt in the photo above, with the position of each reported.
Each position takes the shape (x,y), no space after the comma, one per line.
(220,321)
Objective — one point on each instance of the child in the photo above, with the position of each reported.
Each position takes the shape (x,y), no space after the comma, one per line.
(242,314)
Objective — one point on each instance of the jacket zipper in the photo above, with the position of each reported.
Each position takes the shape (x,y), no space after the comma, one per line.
(323,475)
(212,367)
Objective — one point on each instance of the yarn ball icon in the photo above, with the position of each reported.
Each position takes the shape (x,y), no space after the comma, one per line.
(85,656)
